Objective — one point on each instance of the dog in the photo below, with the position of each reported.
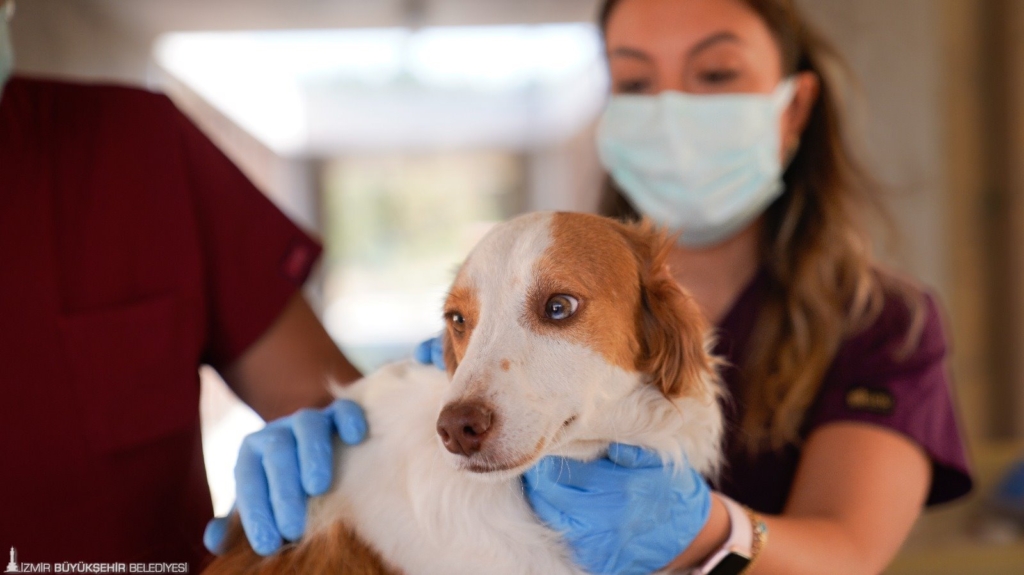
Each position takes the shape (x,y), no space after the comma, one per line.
(565,332)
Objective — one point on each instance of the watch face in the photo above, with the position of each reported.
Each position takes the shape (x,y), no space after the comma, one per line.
(731,564)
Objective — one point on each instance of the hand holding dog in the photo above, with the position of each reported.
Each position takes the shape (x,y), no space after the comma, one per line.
(623,514)
(280,467)
(431,352)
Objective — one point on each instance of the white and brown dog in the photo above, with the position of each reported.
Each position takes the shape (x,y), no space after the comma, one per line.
(566,332)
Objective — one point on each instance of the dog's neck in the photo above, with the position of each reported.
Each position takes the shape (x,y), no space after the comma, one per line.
(683,428)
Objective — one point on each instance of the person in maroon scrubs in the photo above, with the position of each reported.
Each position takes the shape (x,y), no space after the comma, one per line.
(724,123)
(131,252)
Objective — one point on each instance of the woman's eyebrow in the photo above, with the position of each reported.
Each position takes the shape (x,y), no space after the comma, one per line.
(630,53)
(724,36)
(716,38)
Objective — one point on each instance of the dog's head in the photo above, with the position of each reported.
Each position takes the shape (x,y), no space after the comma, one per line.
(565,332)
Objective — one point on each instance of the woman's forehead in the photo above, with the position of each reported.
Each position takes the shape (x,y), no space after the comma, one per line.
(687,27)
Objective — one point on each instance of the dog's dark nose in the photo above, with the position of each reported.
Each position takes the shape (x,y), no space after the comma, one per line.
(464,425)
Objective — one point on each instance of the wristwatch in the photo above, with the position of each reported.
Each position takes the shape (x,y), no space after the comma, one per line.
(737,553)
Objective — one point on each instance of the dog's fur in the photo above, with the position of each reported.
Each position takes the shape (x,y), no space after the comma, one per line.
(631,365)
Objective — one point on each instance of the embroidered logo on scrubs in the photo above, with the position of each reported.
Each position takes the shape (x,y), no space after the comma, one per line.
(872,400)
(297,261)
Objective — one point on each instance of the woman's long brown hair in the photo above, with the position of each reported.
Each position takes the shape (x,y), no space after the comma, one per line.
(822,282)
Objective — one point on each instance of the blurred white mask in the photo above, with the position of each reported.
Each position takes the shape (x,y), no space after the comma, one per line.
(707,165)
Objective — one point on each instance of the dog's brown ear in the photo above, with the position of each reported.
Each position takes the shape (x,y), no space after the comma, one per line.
(672,328)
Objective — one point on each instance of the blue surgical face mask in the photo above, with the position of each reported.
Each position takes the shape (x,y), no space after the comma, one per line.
(705,165)
(6,49)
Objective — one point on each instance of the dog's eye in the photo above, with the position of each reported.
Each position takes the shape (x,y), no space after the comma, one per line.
(561,306)
(458,322)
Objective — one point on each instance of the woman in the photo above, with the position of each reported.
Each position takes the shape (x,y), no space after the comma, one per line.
(842,422)
(723,125)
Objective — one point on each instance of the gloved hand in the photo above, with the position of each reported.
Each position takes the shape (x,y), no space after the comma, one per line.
(1008,497)
(279,467)
(431,351)
(624,514)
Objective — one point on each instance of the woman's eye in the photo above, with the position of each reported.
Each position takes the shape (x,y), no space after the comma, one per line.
(560,307)
(632,86)
(718,76)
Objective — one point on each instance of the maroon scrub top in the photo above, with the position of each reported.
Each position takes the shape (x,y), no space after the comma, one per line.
(868,381)
(131,252)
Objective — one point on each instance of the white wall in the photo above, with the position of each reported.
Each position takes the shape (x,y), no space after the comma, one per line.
(895,49)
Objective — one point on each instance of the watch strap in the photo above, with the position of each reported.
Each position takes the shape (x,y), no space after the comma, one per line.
(735,554)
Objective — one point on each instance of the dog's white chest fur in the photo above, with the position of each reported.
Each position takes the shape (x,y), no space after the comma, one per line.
(413,507)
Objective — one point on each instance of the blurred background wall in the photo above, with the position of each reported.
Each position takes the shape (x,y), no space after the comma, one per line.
(398,130)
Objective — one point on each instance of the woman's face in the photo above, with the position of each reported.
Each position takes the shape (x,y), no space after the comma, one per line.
(701,47)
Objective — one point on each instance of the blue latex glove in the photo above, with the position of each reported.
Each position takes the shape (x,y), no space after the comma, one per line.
(623,514)
(1008,497)
(431,351)
(279,467)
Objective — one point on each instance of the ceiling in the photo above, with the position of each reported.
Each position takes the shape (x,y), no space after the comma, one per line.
(154,17)
(115,40)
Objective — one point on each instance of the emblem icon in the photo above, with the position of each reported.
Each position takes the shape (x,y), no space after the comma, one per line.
(12,567)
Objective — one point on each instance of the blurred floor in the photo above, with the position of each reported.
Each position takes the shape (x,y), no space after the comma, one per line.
(947,541)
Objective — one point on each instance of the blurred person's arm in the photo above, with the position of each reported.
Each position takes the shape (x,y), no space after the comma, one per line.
(264,339)
(261,335)
(857,493)
(290,365)
(281,375)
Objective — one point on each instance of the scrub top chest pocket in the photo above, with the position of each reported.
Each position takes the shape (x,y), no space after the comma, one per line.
(126,371)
